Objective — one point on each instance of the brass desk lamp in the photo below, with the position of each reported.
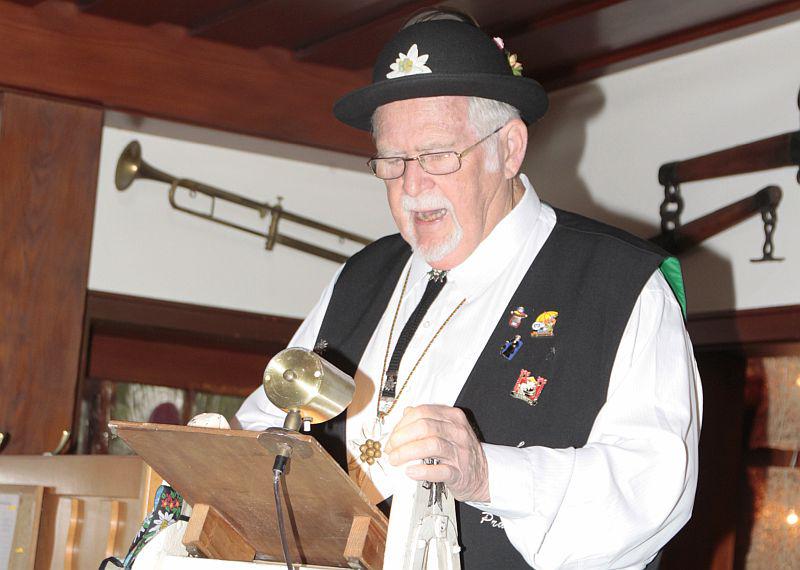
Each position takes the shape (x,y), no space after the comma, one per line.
(310,390)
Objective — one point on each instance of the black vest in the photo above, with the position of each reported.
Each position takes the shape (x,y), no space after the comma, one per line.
(590,273)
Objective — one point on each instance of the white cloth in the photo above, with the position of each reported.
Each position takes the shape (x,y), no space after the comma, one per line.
(610,504)
(168,542)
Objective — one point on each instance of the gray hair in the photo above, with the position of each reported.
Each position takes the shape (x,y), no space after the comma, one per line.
(484,116)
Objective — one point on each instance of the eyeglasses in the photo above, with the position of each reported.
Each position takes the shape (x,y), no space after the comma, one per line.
(438,163)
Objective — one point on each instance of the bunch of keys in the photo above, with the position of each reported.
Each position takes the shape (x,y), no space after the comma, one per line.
(433,536)
(436,491)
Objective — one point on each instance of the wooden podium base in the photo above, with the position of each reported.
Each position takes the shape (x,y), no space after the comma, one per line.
(210,535)
(365,544)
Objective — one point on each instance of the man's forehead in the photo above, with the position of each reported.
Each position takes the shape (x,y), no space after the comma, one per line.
(422,123)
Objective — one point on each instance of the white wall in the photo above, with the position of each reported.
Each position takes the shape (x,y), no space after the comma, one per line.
(619,129)
(597,152)
(141,246)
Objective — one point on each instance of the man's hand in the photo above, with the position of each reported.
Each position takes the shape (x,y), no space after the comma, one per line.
(444,433)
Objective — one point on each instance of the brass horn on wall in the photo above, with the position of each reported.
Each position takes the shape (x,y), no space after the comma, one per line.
(131,167)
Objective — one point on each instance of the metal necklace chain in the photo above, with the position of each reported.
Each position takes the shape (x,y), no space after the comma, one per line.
(370,450)
(379,414)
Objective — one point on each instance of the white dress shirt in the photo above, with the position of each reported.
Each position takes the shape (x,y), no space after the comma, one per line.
(610,504)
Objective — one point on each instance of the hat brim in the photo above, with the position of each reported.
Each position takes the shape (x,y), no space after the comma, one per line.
(356,108)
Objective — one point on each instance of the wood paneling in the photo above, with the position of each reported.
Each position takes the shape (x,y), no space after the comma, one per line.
(161,319)
(294,23)
(56,49)
(358,46)
(49,152)
(274,68)
(707,541)
(631,30)
(132,339)
(112,493)
(766,457)
(177,364)
(149,12)
(775,327)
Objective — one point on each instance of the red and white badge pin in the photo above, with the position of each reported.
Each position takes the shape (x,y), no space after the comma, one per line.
(527,388)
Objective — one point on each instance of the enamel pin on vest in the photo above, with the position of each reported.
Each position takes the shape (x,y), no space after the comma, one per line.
(511,347)
(515,320)
(544,324)
(527,388)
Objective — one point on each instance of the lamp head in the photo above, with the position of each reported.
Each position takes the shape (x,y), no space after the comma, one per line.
(300,380)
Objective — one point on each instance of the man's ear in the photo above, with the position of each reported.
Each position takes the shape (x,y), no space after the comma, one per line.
(514,139)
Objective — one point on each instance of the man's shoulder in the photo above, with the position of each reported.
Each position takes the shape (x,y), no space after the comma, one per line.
(381,250)
(377,258)
(615,253)
(599,233)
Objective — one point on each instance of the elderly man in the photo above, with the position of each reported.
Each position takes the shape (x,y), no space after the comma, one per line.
(540,356)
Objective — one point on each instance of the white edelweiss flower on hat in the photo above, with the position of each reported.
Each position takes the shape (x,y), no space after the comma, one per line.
(410,63)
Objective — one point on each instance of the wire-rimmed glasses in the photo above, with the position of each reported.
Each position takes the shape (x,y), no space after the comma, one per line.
(438,163)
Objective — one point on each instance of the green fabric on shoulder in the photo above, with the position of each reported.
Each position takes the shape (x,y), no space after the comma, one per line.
(671,269)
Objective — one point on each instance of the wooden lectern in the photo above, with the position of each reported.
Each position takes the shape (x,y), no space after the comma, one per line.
(226,475)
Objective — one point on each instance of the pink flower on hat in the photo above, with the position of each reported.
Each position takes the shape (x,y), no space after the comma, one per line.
(513,63)
(516,66)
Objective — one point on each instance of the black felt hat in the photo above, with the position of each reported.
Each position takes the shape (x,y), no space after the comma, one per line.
(441,57)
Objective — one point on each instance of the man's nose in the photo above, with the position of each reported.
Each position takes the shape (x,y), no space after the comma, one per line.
(414,178)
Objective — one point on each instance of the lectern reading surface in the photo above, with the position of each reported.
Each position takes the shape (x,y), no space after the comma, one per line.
(231,470)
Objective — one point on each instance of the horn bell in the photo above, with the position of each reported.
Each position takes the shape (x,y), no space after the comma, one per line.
(128,165)
(131,167)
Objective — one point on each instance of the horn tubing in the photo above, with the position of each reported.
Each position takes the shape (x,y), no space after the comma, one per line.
(266,207)
(281,239)
(146,171)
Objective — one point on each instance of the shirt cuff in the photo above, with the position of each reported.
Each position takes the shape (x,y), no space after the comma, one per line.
(524,482)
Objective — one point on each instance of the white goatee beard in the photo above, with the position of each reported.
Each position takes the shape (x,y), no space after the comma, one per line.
(435,251)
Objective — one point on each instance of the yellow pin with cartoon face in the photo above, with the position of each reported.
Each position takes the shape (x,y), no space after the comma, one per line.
(544,324)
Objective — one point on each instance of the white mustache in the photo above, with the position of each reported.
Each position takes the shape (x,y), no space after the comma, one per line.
(426,202)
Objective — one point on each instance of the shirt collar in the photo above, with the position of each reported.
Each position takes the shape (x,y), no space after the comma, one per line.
(493,254)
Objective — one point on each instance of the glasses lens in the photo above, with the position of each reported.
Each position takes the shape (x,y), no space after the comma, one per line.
(387,168)
(439,162)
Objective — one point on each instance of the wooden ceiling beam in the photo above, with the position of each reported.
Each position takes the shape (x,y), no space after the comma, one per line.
(552,17)
(86,4)
(371,34)
(55,49)
(672,44)
(233,11)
